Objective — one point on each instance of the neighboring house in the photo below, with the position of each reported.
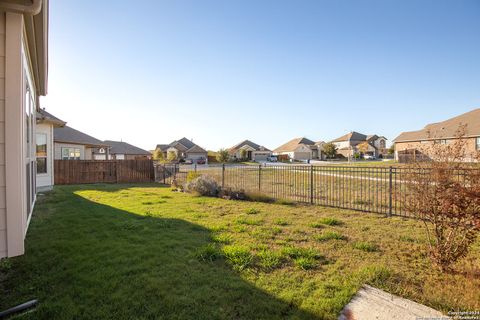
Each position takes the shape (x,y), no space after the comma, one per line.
(185,150)
(348,145)
(412,143)
(120,150)
(300,149)
(253,151)
(46,123)
(23,74)
(71,144)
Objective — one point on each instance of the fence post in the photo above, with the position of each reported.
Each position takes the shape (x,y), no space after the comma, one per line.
(164,173)
(311,184)
(175,172)
(259,177)
(390,174)
(195,167)
(223,175)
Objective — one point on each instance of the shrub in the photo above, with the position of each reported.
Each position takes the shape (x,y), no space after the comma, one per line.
(252,211)
(208,252)
(444,192)
(230,194)
(365,246)
(222,155)
(203,185)
(329,235)
(270,259)
(259,197)
(239,257)
(192,175)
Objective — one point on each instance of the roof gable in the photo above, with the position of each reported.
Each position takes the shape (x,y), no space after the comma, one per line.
(445,129)
(68,134)
(196,149)
(120,147)
(292,144)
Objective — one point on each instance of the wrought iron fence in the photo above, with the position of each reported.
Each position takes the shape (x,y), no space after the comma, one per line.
(370,189)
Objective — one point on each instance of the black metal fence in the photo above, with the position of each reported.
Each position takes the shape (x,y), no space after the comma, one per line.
(371,189)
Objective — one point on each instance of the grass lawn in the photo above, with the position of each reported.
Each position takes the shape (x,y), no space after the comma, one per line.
(145,252)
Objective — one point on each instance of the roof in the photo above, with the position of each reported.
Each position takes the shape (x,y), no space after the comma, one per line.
(120,147)
(185,142)
(249,143)
(352,136)
(44,116)
(445,129)
(293,144)
(196,149)
(162,147)
(68,134)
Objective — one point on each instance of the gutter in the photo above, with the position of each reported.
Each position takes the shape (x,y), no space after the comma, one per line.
(32,9)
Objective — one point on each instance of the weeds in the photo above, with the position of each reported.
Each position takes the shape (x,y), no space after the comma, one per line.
(329,235)
(238,256)
(365,246)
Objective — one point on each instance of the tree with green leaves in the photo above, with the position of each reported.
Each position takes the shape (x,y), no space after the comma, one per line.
(172,156)
(330,150)
(158,155)
(363,147)
(243,154)
(222,155)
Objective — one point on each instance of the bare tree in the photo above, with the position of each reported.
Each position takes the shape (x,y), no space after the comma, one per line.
(444,192)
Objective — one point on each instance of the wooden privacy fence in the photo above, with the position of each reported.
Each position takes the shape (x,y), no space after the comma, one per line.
(103,171)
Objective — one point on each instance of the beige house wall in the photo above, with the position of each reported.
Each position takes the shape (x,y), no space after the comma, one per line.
(3,218)
(59,146)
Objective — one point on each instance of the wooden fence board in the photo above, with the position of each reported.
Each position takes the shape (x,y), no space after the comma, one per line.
(103,171)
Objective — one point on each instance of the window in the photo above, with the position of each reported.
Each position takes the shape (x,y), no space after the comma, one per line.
(478,143)
(70,154)
(41,153)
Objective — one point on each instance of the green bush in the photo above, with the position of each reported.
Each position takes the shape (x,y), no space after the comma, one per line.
(239,257)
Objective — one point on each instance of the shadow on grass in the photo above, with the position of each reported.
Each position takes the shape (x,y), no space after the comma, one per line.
(86,260)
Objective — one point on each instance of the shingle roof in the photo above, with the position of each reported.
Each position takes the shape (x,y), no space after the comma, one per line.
(43,115)
(293,144)
(68,134)
(249,143)
(196,149)
(120,147)
(352,136)
(185,142)
(445,129)
(162,147)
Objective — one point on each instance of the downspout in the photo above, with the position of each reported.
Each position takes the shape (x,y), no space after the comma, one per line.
(32,9)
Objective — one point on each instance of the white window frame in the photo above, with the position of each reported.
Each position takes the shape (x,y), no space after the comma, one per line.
(46,153)
(69,151)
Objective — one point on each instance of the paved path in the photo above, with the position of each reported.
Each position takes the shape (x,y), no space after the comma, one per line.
(374,304)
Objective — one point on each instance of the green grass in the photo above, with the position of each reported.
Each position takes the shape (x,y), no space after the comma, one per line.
(118,252)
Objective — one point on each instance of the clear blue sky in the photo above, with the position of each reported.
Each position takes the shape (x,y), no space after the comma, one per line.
(223,71)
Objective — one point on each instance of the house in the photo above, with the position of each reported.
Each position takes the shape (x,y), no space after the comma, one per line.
(300,149)
(23,79)
(251,150)
(410,143)
(46,123)
(71,144)
(120,150)
(352,143)
(185,150)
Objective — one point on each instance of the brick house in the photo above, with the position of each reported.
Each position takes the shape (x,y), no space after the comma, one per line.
(410,145)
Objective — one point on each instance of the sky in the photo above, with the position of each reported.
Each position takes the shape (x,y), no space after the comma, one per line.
(219,72)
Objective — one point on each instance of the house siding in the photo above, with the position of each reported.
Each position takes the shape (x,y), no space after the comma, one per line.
(3,219)
(59,146)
